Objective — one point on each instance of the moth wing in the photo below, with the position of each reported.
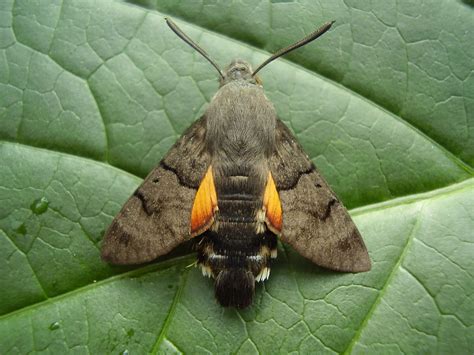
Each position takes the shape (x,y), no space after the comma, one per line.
(156,218)
(315,223)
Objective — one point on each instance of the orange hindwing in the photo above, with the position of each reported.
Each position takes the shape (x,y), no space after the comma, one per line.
(205,205)
(272,205)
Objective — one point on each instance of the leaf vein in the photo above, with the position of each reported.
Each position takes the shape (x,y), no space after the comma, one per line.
(171,312)
(387,283)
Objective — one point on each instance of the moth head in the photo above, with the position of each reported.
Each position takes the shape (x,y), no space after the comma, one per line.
(239,69)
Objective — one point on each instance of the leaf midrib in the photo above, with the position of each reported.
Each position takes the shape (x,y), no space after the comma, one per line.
(128,274)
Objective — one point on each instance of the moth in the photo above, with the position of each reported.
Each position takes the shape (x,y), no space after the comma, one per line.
(233,183)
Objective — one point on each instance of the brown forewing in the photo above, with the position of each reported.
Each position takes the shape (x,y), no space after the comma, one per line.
(156,218)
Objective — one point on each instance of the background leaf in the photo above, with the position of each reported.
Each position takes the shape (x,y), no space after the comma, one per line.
(94,93)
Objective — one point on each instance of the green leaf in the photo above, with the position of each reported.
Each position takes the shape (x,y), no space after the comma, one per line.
(92,94)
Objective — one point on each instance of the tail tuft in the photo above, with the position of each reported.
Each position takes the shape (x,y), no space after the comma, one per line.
(235,287)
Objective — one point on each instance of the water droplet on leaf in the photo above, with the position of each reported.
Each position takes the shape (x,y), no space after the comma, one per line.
(39,206)
(54,326)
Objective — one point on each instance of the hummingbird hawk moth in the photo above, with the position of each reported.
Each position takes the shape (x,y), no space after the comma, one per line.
(235,181)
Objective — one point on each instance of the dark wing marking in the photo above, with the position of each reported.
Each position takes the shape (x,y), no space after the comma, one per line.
(157,216)
(315,223)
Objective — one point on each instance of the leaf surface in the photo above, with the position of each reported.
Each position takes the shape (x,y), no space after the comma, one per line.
(93,94)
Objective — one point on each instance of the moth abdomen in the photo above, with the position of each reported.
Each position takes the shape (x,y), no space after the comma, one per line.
(235,287)
(235,253)
(238,210)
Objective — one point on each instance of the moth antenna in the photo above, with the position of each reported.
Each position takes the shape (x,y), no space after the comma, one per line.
(309,38)
(189,41)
